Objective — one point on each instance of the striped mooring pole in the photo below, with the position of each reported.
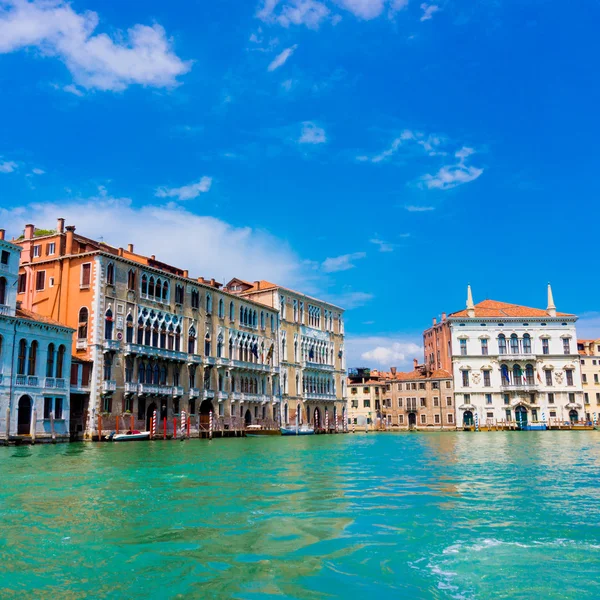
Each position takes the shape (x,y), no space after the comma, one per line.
(210,425)
(183,424)
(476,421)
(326,421)
(153,426)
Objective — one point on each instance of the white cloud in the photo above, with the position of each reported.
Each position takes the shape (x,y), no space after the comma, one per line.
(428,11)
(281,58)
(73,89)
(205,245)
(341,263)
(312,134)
(350,300)
(186,192)
(293,12)
(588,326)
(413,208)
(450,176)
(431,143)
(143,55)
(8,166)
(382,351)
(383,246)
(38,171)
(364,9)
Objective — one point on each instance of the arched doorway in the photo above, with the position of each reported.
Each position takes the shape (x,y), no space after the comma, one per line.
(317,419)
(24,416)
(467,419)
(205,409)
(412,419)
(285,414)
(573,415)
(149,412)
(521,416)
(248,418)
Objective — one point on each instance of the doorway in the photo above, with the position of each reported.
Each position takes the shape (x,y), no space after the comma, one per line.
(24,416)
(521,417)
(412,420)
(149,413)
(467,419)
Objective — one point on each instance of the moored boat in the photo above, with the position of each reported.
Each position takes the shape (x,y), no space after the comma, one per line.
(302,430)
(259,431)
(131,436)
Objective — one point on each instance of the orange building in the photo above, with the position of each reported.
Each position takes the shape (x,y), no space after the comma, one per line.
(437,344)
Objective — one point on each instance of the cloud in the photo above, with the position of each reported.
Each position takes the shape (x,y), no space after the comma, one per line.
(413,208)
(281,58)
(341,263)
(38,171)
(428,11)
(212,246)
(312,134)
(382,351)
(186,192)
(350,300)
(8,166)
(383,246)
(588,326)
(451,176)
(293,12)
(364,9)
(430,143)
(143,55)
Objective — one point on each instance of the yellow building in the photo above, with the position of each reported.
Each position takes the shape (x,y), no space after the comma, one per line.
(311,353)
(366,391)
(589,351)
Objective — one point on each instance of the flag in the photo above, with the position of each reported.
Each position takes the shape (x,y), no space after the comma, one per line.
(539,377)
(270,352)
(255,349)
(311,354)
(505,375)
(340,354)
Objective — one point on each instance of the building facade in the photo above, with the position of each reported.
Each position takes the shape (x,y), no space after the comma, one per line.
(437,344)
(515,365)
(311,352)
(35,361)
(589,359)
(149,338)
(366,393)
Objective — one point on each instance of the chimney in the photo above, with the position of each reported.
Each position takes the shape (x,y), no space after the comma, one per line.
(415,363)
(60,225)
(29,229)
(69,244)
(212,282)
(152,257)
(201,280)
(120,252)
(393,371)
(470,305)
(551,309)
(434,321)
(186,273)
(2,234)
(257,285)
(130,248)
(443,317)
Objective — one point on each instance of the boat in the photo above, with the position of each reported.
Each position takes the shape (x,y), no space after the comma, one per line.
(302,430)
(131,436)
(535,426)
(259,431)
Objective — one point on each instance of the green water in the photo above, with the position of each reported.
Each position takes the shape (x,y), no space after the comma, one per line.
(454,515)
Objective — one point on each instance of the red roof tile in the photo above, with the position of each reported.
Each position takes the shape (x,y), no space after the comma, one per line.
(23,313)
(493,308)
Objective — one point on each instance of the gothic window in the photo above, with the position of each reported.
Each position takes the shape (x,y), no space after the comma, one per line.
(220,346)
(165,292)
(60,361)
(221,308)
(177,339)
(131,280)
(163,336)
(129,329)
(195,299)
(231,311)
(151,287)
(208,304)
(82,327)
(207,345)
(110,274)
(192,341)
(128,369)
(107,367)
(50,361)
(144,285)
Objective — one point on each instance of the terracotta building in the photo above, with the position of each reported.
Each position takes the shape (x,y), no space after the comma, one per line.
(149,337)
(589,358)
(438,345)
(310,339)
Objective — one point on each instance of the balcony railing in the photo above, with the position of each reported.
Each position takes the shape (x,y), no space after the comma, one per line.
(55,383)
(177,390)
(112,344)
(222,396)
(156,352)
(194,392)
(325,397)
(6,310)
(195,359)
(208,394)
(222,361)
(524,386)
(412,408)
(242,364)
(131,387)
(27,380)
(308,364)
(109,386)
(237,396)
(520,356)
(81,344)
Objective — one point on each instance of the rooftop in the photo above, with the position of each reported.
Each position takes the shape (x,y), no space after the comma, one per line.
(494,308)
(22,313)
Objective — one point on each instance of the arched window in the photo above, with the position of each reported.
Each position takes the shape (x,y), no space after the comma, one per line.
(149,372)
(155,335)
(165,291)
(171,338)
(163,336)
(177,339)
(129,329)
(144,285)
(220,346)
(527,344)
(2,290)
(82,327)
(110,273)
(220,382)
(254,319)
(107,367)
(142,373)
(108,325)
(158,290)
(192,341)
(147,335)
(131,280)
(208,304)
(501,344)
(140,332)
(60,361)
(151,287)
(207,345)
(262,319)
(221,308)
(156,374)
(231,311)
(22,357)
(272,322)
(32,358)
(241,315)
(163,375)
(231,349)
(517,375)
(514,344)
(529,374)
(50,361)
(129,369)
(195,299)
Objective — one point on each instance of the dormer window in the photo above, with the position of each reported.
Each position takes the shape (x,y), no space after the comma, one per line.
(4,258)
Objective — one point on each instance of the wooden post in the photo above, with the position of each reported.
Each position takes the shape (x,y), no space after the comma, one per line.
(132,424)
(52,427)
(99,427)
(153,426)
(7,423)
(33,425)
(189,423)
(117,424)
(210,425)
(164,428)
(174,427)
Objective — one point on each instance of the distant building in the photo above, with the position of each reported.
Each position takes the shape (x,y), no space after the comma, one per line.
(437,344)
(311,351)
(366,391)
(589,358)
(515,364)
(35,362)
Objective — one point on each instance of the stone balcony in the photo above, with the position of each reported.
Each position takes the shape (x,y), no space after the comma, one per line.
(131,387)
(518,387)
(6,310)
(208,394)
(27,381)
(153,352)
(315,366)
(152,389)
(520,357)
(55,383)
(109,386)
(222,396)
(177,391)
(81,344)
(322,397)
(250,366)
(111,345)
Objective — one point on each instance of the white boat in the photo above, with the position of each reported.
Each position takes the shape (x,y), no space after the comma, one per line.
(132,436)
(302,430)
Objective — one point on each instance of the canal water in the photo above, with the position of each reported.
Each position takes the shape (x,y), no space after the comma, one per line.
(449,515)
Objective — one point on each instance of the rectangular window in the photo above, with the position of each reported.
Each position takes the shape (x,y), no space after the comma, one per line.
(423,419)
(465,378)
(448,400)
(597,397)
(486,378)
(40,281)
(506,399)
(436,401)
(365,390)
(448,385)
(5,257)
(436,419)
(488,398)
(571,398)
(467,398)
(484,347)
(107,404)
(463,347)
(545,346)
(508,414)
(400,419)
(366,404)
(548,377)
(399,402)
(86,275)
(586,398)
(399,387)
(423,402)
(550,398)
(50,249)
(37,251)
(422,386)
(553,413)
(47,407)
(569,373)
(58,408)
(435,385)
(22,285)
(584,378)
(353,390)
(595,378)
(566,345)
(450,418)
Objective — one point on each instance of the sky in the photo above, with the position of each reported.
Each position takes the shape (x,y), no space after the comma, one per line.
(380,154)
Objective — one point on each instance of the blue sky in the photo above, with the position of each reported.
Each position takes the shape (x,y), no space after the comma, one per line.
(379,153)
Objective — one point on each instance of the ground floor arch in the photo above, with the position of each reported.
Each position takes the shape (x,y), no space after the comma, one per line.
(412,419)
(24,415)
(573,416)
(468,419)
(149,414)
(521,416)
(247,417)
